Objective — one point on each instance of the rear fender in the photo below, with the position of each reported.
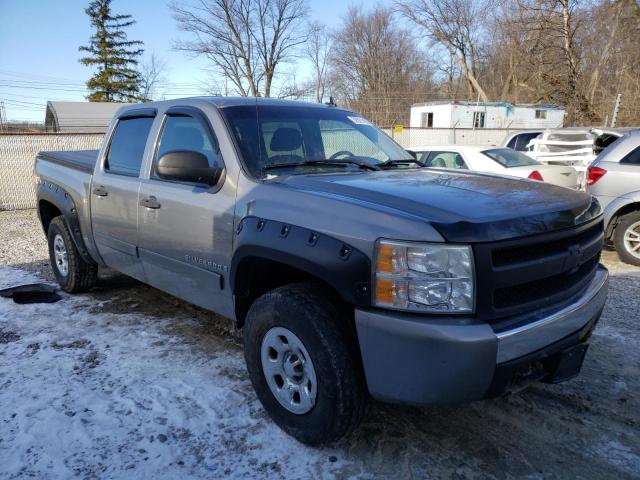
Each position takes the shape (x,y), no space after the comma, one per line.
(618,208)
(57,196)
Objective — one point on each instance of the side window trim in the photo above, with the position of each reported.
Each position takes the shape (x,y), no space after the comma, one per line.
(194,112)
(128,115)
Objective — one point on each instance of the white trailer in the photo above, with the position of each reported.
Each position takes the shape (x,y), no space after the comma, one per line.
(447,114)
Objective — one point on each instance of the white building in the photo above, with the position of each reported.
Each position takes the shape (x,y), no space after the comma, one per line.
(448,114)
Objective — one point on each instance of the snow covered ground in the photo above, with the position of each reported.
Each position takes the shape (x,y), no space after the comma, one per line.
(98,394)
(128,382)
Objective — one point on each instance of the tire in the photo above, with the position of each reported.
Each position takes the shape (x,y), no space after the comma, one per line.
(317,319)
(76,275)
(627,230)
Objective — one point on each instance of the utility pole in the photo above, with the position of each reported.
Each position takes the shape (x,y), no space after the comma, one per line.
(3,117)
(616,109)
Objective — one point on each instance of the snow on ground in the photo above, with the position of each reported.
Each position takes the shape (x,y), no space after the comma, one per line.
(127,382)
(94,394)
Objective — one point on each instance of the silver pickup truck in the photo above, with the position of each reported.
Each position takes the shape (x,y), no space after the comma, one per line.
(353,271)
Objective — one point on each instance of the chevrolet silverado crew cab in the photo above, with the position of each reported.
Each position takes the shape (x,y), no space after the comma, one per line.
(353,271)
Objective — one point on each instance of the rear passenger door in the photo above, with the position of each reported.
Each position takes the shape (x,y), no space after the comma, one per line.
(114,193)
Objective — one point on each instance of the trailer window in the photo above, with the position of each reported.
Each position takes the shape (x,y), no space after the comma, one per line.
(426,120)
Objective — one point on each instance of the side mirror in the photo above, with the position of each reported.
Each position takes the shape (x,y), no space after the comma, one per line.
(187,166)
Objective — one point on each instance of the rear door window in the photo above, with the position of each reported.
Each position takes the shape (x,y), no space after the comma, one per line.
(632,158)
(126,149)
(445,160)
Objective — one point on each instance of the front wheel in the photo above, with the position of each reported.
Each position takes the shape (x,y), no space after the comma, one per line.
(626,238)
(71,271)
(303,363)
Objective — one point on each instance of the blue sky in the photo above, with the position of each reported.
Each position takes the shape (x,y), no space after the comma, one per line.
(40,40)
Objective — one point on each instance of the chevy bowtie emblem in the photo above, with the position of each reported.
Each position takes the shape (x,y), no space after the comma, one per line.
(574,260)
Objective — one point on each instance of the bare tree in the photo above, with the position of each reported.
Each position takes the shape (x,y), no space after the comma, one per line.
(245,40)
(152,73)
(455,25)
(318,50)
(377,68)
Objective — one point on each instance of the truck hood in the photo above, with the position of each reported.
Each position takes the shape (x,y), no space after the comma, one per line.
(463,207)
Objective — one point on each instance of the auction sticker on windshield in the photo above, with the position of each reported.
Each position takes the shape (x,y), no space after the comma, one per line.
(359,120)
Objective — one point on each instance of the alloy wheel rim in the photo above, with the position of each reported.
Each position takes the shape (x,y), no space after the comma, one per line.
(288,370)
(60,254)
(632,239)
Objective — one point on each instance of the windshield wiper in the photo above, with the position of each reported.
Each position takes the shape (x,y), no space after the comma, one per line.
(312,163)
(400,161)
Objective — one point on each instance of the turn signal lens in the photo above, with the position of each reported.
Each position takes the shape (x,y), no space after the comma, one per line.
(384,291)
(536,175)
(385,259)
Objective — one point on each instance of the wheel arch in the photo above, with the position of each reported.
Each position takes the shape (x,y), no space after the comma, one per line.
(270,254)
(619,212)
(54,201)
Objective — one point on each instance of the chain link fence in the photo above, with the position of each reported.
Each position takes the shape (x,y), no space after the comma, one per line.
(424,137)
(17,156)
(18,152)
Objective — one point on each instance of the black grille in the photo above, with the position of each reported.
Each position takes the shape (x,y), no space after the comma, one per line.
(517,276)
(520,253)
(526,293)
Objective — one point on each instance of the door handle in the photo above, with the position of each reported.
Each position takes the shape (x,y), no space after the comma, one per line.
(100,191)
(151,202)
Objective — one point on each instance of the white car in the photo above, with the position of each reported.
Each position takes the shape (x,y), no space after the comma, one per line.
(499,160)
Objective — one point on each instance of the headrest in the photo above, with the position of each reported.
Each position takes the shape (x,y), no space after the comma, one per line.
(286,140)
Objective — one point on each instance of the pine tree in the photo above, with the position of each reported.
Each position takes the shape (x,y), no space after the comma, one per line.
(115,56)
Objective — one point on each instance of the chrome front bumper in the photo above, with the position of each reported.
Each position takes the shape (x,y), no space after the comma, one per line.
(442,360)
(542,329)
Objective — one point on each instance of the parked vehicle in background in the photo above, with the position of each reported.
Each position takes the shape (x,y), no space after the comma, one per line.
(350,268)
(501,161)
(519,141)
(576,147)
(602,138)
(614,178)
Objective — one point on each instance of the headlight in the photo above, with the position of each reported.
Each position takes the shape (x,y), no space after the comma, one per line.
(426,277)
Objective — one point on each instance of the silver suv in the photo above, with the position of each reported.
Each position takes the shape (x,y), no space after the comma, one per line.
(614,178)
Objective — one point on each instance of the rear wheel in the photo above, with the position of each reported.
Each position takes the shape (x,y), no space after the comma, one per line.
(71,271)
(303,363)
(626,238)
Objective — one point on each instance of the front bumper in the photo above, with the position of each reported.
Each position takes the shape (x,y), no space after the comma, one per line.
(421,360)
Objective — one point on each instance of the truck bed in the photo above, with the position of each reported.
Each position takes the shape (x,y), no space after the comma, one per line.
(84,160)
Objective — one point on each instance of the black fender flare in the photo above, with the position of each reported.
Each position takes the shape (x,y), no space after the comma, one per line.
(62,200)
(346,269)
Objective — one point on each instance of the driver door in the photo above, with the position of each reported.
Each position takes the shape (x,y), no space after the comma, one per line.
(186,228)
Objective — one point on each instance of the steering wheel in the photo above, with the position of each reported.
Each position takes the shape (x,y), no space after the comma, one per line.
(340,153)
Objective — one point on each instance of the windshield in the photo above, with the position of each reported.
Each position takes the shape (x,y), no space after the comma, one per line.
(280,136)
(509,158)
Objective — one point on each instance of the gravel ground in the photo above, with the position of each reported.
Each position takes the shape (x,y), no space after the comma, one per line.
(129,382)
